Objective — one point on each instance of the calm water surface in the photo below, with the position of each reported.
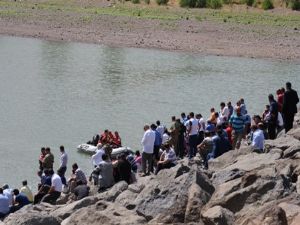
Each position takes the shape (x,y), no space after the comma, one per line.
(63,93)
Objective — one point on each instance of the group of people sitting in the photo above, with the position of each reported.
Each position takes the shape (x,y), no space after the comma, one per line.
(107,138)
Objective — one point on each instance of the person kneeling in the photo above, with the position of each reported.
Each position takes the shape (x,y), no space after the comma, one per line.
(167,158)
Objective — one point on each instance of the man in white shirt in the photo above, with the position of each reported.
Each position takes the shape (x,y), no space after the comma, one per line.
(97,157)
(148,146)
(55,189)
(258,138)
(160,128)
(63,164)
(224,113)
(4,204)
(192,130)
(167,159)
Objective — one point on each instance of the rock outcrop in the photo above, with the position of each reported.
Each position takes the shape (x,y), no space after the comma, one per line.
(241,187)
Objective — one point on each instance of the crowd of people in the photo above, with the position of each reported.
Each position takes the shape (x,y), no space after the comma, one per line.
(188,135)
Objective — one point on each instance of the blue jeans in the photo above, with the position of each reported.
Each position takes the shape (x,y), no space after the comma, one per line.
(193,139)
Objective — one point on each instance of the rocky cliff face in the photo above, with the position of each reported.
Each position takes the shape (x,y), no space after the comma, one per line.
(241,187)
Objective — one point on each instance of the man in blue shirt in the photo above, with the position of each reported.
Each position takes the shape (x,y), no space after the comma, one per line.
(272,120)
(257,138)
(220,145)
(20,201)
(4,204)
(157,144)
(237,122)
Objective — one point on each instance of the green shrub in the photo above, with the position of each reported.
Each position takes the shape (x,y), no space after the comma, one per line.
(214,4)
(147,2)
(227,2)
(294,4)
(162,2)
(200,3)
(135,1)
(249,2)
(267,4)
(187,3)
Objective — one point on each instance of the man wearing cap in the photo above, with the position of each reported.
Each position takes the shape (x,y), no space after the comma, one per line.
(237,122)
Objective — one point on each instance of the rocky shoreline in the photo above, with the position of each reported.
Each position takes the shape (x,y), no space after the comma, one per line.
(241,187)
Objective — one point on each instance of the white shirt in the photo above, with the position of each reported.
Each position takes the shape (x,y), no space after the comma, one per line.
(148,141)
(56,183)
(8,193)
(280,120)
(258,139)
(4,204)
(201,124)
(193,126)
(225,113)
(161,130)
(170,156)
(64,160)
(97,157)
(165,138)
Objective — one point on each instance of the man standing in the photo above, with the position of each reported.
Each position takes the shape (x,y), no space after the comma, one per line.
(48,160)
(148,145)
(157,144)
(237,122)
(174,130)
(272,119)
(192,130)
(63,164)
(160,128)
(97,157)
(224,113)
(289,107)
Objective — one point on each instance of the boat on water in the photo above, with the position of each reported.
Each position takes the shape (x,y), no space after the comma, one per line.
(91,149)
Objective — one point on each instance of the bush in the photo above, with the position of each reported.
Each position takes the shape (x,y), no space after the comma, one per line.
(214,4)
(135,1)
(147,2)
(294,4)
(249,2)
(162,2)
(227,2)
(267,4)
(193,3)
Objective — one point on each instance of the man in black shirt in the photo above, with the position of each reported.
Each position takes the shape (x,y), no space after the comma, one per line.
(289,107)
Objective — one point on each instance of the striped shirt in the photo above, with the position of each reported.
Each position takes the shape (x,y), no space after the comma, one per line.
(80,176)
(237,123)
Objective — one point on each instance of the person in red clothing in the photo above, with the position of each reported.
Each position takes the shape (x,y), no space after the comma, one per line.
(105,137)
(41,158)
(280,95)
(117,139)
(229,131)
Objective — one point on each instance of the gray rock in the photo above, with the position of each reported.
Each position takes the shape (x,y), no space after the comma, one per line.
(282,143)
(291,151)
(65,211)
(114,192)
(103,212)
(224,176)
(295,133)
(126,199)
(218,216)
(197,198)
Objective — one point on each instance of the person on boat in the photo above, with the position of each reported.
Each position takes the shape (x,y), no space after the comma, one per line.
(26,191)
(105,137)
(116,140)
(48,160)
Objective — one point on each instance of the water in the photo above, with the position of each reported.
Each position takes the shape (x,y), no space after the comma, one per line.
(55,93)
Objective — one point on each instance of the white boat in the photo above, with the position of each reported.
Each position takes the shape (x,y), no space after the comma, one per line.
(91,149)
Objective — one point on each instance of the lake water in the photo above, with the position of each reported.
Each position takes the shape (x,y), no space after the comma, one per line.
(55,93)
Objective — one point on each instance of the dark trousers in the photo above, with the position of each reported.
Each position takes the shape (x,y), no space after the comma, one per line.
(200,137)
(147,162)
(193,145)
(288,121)
(272,130)
(163,166)
(52,197)
(3,215)
(42,192)
(61,172)
(180,146)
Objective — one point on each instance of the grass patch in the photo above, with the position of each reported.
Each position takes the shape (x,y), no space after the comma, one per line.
(267,4)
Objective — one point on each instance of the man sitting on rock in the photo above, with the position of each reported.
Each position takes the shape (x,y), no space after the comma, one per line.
(4,204)
(257,137)
(220,145)
(20,201)
(167,158)
(77,178)
(55,189)
(205,147)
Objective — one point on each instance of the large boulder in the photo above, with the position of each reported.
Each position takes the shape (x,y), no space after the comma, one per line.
(295,133)
(218,216)
(104,212)
(33,215)
(114,192)
(283,143)
(291,151)
(66,210)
